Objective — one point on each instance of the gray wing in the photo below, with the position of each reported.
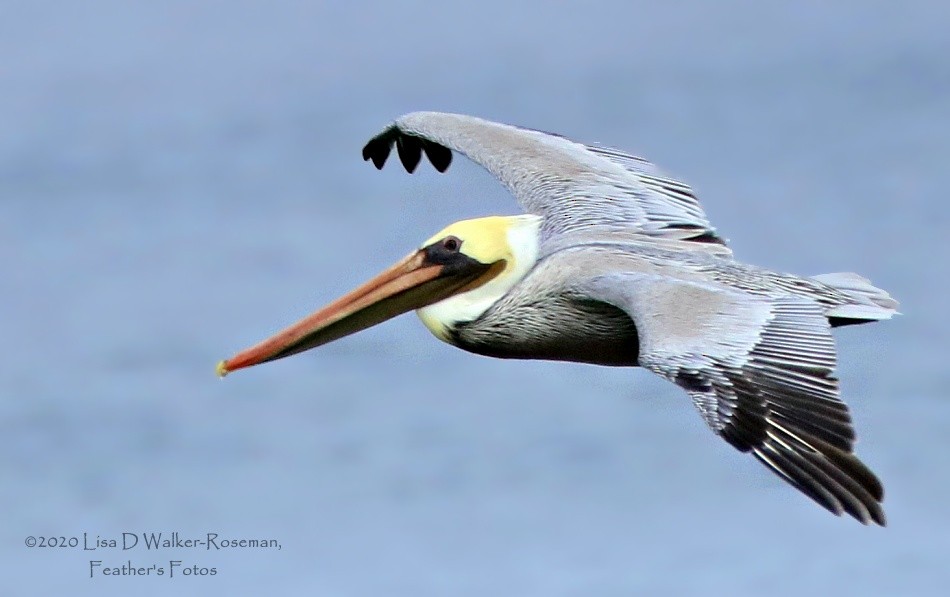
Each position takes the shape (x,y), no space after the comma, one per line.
(760,371)
(569,184)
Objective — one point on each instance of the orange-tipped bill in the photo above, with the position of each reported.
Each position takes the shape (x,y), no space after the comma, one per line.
(416,281)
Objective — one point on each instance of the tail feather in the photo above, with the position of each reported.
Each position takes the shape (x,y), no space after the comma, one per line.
(870,302)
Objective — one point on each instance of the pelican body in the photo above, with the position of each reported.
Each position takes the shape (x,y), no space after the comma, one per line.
(615,263)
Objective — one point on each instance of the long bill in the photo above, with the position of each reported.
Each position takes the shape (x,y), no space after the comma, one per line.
(413,283)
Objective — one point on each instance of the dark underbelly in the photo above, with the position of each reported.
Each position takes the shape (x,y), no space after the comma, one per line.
(579,332)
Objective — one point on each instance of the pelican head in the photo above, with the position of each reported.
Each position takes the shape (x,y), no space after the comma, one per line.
(454,277)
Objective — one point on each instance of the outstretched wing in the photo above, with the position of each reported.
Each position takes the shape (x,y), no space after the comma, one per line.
(569,184)
(760,371)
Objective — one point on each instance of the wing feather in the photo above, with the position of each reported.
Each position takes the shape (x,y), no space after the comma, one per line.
(571,185)
(760,371)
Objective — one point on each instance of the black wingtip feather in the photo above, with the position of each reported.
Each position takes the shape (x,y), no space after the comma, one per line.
(378,150)
(441,157)
(368,150)
(409,148)
(779,462)
(849,463)
(834,478)
(410,152)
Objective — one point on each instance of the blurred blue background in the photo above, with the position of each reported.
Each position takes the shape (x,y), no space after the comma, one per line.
(179,179)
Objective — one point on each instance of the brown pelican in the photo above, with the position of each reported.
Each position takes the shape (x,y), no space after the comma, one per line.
(615,263)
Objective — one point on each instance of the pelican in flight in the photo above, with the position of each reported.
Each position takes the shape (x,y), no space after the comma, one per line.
(615,263)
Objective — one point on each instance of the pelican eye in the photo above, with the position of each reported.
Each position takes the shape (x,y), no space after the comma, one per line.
(451,244)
